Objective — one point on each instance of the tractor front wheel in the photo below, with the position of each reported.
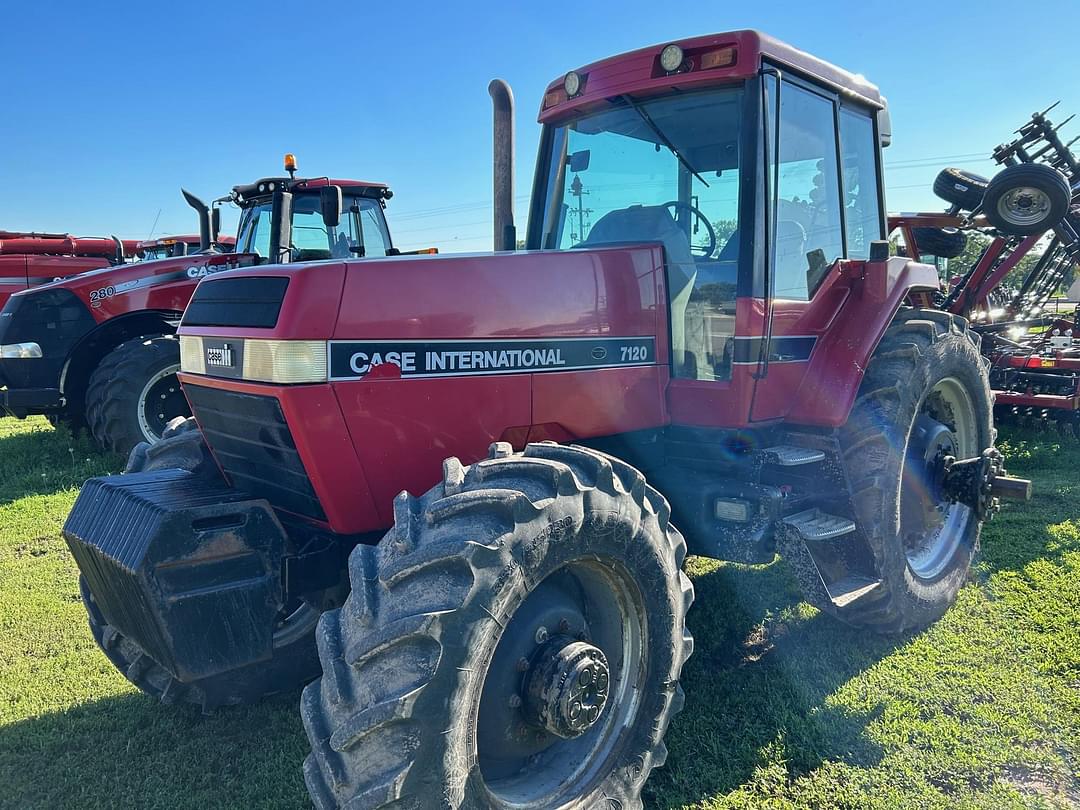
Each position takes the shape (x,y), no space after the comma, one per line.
(925,396)
(133,394)
(514,641)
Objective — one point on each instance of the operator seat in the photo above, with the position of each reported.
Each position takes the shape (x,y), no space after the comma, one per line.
(654,223)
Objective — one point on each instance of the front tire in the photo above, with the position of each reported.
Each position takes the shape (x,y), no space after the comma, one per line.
(441,678)
(133,394)
(925,388)
(294,662)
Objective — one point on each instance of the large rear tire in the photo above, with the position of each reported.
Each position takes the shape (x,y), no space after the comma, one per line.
(925,390)
(133,394)
(295,660)
(449,674)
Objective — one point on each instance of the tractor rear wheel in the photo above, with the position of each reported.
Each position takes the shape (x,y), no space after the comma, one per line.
(515,640)
(925,395)
(961,188)
(295,661)
(133,394)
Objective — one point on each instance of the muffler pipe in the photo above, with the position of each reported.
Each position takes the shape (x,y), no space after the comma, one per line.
(502,101)
(203,210)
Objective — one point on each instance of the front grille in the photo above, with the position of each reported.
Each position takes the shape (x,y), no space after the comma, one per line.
(246,301)
(254,446)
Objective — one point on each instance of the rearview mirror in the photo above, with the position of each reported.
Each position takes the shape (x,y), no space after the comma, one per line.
(579,161)
(330,203)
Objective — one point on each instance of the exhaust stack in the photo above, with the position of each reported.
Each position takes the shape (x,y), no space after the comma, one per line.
(502,101)
(206,235)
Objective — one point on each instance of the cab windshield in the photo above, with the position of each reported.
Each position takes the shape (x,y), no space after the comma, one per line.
(361,232)
(664,170)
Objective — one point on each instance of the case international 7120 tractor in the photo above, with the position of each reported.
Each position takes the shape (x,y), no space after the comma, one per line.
(706,316)
(100,350)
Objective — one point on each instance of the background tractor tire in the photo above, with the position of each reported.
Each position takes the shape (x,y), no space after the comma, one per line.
(292,665)
(925,358)
(946,243)
(961,188)
(1027,199)
(133,393)
(411,710)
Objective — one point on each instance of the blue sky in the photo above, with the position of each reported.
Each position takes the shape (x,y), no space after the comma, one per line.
(109,109)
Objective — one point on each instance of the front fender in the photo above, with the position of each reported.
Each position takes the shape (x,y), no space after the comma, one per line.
(828,390)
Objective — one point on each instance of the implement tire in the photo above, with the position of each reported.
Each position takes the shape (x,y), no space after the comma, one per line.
(960,188)
(293,664)
(926,372)
(424,700)
(133,393)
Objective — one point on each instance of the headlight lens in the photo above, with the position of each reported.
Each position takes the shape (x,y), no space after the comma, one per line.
(19,351)
(287,362)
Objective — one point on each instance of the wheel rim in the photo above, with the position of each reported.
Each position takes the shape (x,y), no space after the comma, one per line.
(295,624)
(1024,206)
(933,528)
(161,401)
(534,748)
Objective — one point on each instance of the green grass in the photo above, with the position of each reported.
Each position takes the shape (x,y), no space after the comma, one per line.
(785,707)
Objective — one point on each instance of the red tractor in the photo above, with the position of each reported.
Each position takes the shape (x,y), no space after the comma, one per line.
(443,483)
(31,259)
(100,350)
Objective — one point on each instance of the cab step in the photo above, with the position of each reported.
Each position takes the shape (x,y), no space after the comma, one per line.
(814,524)
(851,589)
(788,455)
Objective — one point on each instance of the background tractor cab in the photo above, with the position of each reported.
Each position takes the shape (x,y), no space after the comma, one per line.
(99,350)
(758,189)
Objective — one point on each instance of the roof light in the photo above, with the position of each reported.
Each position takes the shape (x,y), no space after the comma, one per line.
(553,97)
(262,186)
(572,83)
(724,57)
(290,162)
(671,58)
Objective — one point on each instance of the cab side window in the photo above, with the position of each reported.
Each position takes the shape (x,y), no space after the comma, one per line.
(809,227)
(862,203)
(376,240)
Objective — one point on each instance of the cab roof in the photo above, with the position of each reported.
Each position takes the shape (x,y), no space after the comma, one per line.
(639,72)
(267,185)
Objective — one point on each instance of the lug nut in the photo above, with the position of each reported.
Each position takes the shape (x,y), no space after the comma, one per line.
(564,625)
(586,676)
(515,701)
(523,665)
(541,634)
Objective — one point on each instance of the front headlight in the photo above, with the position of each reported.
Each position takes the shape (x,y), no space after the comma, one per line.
(287,362)
(20,351)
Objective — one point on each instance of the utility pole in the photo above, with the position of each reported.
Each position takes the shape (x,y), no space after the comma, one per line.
(577,190)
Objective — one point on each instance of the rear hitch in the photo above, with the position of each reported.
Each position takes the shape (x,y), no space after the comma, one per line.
(981,482)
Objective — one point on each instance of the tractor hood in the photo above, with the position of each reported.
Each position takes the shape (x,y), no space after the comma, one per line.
(452,297)
(163,285)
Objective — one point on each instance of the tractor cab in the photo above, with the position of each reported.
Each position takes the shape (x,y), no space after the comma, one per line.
(285,219)
(755,178)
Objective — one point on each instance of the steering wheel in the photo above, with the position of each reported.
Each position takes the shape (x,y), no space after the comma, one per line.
(700,250)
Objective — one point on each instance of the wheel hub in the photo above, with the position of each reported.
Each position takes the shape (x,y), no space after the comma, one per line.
(566,686)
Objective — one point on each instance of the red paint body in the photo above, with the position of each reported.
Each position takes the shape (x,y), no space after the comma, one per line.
(362,441)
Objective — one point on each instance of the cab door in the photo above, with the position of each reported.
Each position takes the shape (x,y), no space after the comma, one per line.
(823,204)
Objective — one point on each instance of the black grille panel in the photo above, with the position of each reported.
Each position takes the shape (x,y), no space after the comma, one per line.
(254,446)
(247,301)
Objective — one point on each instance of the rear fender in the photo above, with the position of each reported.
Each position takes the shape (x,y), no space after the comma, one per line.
(827,392)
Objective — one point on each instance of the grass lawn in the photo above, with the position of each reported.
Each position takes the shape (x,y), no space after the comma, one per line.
(785,707)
